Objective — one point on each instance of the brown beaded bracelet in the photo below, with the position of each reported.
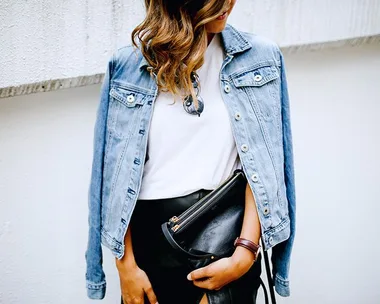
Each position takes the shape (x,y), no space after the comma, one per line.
(251,246)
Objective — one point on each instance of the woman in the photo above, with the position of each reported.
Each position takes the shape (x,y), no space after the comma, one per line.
(194,100)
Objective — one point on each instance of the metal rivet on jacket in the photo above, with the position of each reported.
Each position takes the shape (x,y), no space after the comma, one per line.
(244,148)
(130,98)
(255,177)
(258,77)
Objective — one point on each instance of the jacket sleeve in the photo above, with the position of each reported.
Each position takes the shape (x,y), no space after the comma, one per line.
(95,277)
(281,252)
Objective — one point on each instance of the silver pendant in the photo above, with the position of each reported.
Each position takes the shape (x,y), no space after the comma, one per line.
(188,102)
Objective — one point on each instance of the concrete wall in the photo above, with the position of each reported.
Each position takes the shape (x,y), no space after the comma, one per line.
(45,159)
(45,40)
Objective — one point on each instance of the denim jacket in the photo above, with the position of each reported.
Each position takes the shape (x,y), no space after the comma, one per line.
(254,90)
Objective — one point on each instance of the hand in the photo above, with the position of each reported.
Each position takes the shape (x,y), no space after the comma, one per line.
(134,284)
(221,272)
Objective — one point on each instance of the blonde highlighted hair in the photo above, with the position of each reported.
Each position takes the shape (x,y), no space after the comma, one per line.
(173,39)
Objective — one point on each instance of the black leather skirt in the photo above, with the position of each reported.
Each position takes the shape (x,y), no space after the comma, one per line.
(166,273)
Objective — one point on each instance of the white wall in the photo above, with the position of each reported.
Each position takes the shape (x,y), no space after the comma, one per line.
(45,158)
(43,40)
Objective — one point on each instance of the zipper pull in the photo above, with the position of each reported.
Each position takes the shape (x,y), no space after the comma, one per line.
(174,219)
(175,228)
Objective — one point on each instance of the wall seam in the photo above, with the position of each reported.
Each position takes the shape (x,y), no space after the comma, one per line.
(73,82)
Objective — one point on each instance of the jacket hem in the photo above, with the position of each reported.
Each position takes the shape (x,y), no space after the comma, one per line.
(271,238)
(96,291)
(278,234)
(116,247)
(281,286)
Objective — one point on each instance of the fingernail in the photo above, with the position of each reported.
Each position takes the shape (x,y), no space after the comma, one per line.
(189,277)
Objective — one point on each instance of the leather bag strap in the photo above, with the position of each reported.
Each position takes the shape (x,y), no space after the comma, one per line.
(269,277)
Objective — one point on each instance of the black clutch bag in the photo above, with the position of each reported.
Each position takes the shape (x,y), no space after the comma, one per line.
(206,231)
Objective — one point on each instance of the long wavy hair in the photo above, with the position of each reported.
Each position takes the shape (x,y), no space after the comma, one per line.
(173,39)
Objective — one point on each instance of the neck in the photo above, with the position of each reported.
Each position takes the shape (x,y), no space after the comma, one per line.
(209,37)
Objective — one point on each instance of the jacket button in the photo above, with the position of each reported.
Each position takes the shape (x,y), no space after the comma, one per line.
(270,240)
(227,88)
(266,211)
(255,177)
(237,116)
(130,98)
(244,148)
(258,77)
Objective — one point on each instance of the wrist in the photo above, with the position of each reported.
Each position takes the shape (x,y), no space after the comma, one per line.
(125,262)
(246,251)
(242,258)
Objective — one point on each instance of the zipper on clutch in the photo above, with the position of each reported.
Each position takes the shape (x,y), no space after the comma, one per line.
(182,224)
(198,204)
(185,221)
(174,219)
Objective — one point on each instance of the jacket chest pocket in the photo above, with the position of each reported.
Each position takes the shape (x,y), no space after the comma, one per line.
(124,107)
(263,90)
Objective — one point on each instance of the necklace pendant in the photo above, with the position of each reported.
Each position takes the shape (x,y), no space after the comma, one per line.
(190,108)
(188,103)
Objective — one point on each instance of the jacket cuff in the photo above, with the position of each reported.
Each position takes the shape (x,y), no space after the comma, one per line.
(96,291)
(281,286)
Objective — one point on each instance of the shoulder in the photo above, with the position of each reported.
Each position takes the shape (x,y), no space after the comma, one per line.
(262,43)
(126,57)
(261,47)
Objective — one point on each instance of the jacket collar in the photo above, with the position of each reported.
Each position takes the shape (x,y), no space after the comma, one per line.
(233,42)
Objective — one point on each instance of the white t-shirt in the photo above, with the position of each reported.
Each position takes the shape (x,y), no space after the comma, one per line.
(187,152)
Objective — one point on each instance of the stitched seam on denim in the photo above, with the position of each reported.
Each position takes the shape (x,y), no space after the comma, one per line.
(150,108)
(131,87)
(268,216)
(95,286)
(282,281)
(110,242)
(257,65)
(260,119)
(280,227)
(120,97)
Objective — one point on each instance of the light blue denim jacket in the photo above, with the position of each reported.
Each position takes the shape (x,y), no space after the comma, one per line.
(254,90)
